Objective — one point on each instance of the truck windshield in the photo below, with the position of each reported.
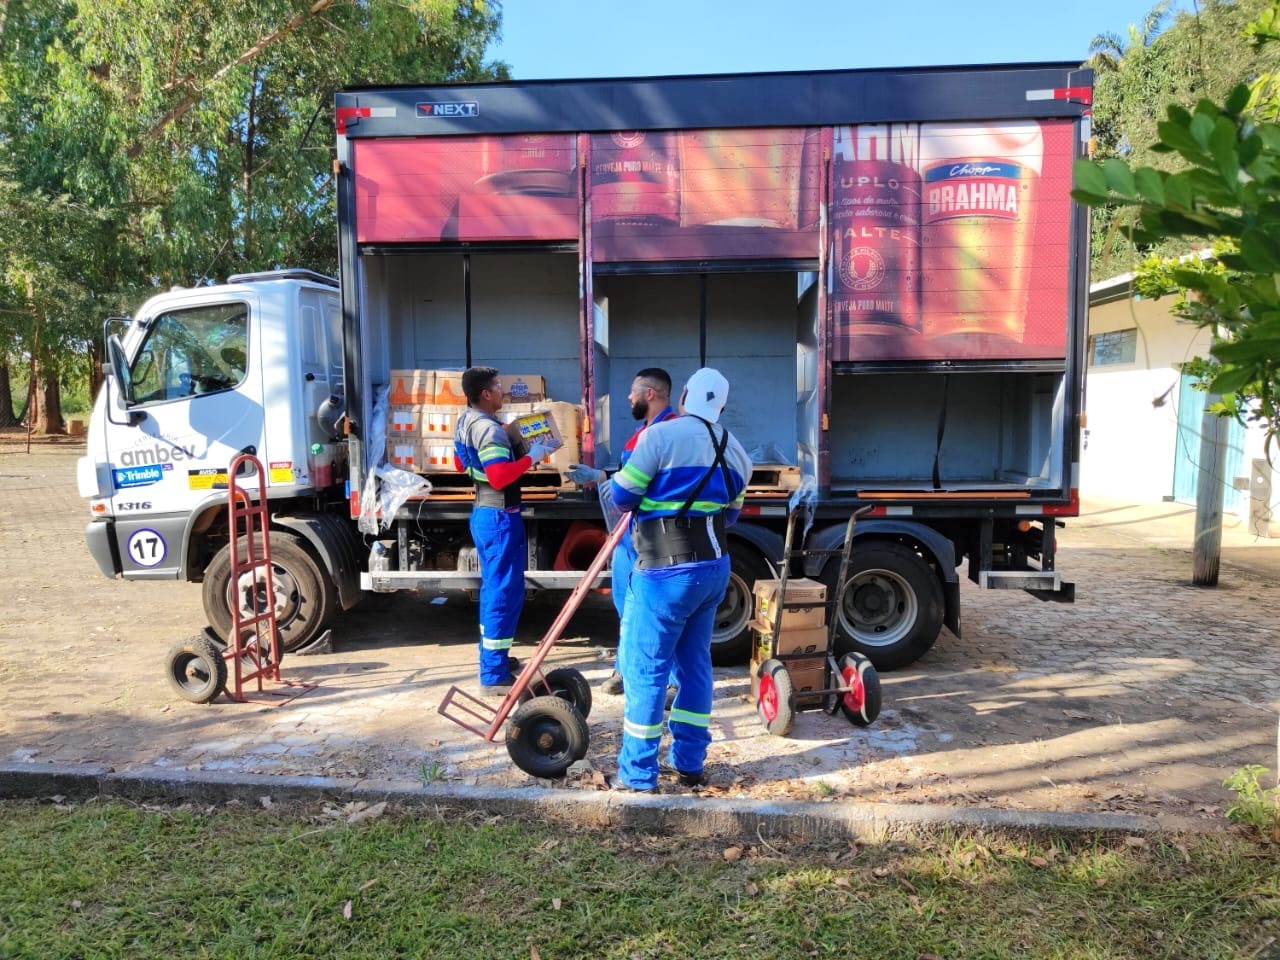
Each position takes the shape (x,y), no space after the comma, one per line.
(192,352)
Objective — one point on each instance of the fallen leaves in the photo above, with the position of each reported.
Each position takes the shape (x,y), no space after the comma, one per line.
(346,910)
(732,854)
(363,812)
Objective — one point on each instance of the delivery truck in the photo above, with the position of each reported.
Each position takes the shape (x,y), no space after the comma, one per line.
(886,265)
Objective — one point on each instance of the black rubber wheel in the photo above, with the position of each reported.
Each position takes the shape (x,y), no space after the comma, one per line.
(861,704)
(892,606)
(196,670)
(776,700)
(306,598)
(567,684)
(730,636)
(546,736)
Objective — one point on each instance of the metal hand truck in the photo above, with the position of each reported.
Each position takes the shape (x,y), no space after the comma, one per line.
(197,667)
(849,684)
(548,729)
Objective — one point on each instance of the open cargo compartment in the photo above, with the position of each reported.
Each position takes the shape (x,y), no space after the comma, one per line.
(979,431)
(746,325)
(524,315)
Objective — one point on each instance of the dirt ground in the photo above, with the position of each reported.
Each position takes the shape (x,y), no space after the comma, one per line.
(1140,697)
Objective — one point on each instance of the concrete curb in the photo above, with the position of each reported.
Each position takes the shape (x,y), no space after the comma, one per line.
(684,815)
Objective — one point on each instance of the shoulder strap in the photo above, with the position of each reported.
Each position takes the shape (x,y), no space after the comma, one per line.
(719,447)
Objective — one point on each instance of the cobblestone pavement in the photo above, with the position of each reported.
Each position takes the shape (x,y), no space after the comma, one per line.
(1140,697)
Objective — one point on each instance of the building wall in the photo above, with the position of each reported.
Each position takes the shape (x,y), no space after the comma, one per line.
(1129,443)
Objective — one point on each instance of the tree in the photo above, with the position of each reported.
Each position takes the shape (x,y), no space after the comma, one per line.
(163,142)
(1199,55)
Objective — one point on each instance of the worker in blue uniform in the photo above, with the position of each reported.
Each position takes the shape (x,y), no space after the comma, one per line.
(650,400)
(684,483)
(484,451)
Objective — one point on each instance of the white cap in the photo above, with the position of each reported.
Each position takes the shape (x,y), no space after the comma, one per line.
(706,393)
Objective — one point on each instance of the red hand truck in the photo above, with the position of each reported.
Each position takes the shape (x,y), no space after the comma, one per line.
(197,667)
(548,729)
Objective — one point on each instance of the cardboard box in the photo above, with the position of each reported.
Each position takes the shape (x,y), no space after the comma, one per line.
(448,389)
(568,421)
(406,454)
(799,590)
(437,455)
(792,640)
(410,387)
(523,388)
(807,676)
(438,421)
(404,423)
(528,428)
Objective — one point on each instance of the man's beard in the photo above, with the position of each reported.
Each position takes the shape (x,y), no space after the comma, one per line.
(640,410)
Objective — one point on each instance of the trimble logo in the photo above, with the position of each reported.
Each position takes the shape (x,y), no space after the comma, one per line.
(451,109)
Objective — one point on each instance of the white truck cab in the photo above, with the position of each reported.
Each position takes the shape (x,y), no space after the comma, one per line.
(200,376)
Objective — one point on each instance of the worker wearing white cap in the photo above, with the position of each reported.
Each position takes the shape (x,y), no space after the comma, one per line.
(684,483)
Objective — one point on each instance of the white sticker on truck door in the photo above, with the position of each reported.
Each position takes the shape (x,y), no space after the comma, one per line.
(146,548)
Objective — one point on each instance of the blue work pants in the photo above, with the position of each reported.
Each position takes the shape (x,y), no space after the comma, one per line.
(666,633)
(500,543)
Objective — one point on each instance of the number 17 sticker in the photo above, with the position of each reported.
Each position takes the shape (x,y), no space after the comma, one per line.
(146,548)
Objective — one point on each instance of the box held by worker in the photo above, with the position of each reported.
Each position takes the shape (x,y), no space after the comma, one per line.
(536,427)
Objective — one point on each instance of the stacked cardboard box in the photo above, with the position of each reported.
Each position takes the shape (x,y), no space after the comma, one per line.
(426,404)
(799,633)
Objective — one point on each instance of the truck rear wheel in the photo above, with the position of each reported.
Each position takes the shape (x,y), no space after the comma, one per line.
(730,636)
(305,596)
(892,606)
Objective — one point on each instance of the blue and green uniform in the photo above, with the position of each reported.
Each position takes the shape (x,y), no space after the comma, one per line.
(670,608)
(497,528)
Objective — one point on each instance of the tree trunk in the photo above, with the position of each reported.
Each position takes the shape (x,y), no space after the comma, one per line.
(7,416)
(95,369)
(1206,551)
(47,412)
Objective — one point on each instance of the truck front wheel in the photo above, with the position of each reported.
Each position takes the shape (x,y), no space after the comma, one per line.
(892,606)
(730,636)
(305,598)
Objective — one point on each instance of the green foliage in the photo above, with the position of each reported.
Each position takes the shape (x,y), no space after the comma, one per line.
(1203,53)
(1254,805)
(1226,186)
(146,143)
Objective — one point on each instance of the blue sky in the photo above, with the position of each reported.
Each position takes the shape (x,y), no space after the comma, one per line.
(613,38)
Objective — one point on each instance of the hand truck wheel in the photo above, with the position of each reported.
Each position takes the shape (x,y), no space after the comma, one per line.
(196,670)
(776,701)
(546,735)
(567,684)
(861,703)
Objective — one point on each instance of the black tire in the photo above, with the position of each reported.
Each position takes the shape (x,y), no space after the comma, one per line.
(892,606)
(567,684)
(861,704)
(196,670)
(306,599)
(776,699)
(546,736)
(730,635)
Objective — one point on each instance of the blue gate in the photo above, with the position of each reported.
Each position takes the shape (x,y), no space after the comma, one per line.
(1186,458)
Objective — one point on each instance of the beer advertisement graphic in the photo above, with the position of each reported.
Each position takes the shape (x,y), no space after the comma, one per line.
(705,194)
(516,187)
(943,244)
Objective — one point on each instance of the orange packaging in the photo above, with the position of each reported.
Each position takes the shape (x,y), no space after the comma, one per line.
(409,387)
(448,389)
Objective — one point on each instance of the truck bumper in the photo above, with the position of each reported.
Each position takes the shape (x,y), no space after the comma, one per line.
(100,537)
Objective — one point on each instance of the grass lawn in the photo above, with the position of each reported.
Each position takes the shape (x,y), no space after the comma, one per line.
(113,880)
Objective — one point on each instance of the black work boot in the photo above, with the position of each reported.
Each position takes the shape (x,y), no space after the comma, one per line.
(613,684)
